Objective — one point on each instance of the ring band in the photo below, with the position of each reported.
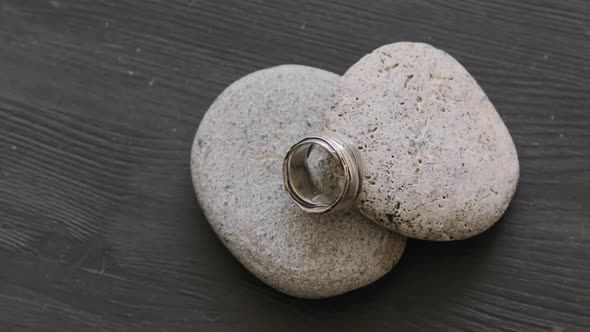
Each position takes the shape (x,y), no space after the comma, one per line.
(297,179)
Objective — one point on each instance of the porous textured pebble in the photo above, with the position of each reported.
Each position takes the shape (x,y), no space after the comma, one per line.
(236,165)
(439,162)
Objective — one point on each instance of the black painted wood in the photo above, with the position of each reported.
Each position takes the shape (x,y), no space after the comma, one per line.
(99,102)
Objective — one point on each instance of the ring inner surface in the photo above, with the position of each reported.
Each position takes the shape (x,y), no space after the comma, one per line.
(301,178)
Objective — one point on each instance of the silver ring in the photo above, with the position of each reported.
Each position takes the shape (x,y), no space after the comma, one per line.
(297,179)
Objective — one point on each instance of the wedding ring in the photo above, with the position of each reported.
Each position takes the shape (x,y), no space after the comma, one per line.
(297,179)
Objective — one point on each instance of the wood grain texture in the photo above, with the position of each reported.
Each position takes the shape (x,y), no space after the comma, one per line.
(99,102)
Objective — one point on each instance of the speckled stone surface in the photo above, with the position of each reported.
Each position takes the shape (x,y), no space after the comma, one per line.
(236,170)
(439,162)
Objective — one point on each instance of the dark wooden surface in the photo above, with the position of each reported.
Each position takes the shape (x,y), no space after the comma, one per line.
(99,102)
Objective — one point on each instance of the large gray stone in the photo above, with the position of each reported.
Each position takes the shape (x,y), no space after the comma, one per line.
(236,170)
(439,162)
